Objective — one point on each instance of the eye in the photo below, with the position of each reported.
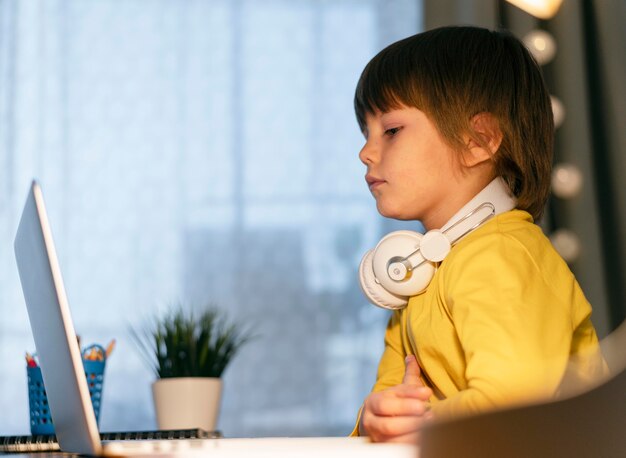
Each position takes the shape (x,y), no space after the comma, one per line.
(393,131)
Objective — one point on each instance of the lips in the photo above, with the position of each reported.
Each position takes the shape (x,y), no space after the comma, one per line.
(373,182)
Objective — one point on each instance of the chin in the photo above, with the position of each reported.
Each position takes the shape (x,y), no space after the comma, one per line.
(393,213)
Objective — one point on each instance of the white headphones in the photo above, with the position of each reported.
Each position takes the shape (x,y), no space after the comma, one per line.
(403,263)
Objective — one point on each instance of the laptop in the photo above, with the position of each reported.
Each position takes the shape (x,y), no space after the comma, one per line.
(59,355)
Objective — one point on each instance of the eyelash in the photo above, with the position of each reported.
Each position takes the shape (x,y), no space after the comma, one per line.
(391,132)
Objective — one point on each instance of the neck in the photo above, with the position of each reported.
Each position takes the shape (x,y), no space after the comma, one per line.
(493,199)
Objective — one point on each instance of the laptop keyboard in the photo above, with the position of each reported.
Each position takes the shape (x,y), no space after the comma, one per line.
(134,439)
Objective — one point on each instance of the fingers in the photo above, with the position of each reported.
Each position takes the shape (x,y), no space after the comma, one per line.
(390,405)
(411,391)
(412,372)
(394,429)
(397,413)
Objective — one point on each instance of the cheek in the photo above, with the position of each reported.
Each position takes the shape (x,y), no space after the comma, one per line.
(442,163)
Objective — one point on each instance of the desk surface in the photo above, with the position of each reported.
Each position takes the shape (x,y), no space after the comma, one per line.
(326,447)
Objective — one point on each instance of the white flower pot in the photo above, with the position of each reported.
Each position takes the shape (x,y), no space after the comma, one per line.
(187,402)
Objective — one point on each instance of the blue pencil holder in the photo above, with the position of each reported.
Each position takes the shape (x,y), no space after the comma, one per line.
(40,419)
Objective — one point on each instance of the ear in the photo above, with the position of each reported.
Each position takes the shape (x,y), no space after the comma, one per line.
(486,140)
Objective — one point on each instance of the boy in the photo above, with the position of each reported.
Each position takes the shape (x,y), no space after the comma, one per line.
(459,135)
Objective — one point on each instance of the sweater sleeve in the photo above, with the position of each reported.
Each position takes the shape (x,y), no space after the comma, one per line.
(391,365)
(515,330)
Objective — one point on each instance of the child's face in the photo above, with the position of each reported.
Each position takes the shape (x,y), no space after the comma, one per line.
(411,172)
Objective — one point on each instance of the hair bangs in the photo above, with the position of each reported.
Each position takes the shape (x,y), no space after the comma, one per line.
(378,90)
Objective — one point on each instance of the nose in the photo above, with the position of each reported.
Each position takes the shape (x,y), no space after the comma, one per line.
(366,155)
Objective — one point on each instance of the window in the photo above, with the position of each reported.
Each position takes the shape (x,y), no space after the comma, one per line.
(199,152)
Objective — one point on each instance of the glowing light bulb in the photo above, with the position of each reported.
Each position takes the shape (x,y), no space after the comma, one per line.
(541,45)
(543,9)
(567,244)
(567,180)
(558,111)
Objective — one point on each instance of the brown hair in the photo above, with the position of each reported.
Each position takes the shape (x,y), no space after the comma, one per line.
(454,73)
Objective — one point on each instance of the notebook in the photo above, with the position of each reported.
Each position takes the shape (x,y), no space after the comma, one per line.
(59,355)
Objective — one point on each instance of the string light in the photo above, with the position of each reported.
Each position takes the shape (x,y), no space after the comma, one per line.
(543,9)
(558,111)
(567,180)
(541,45)
(567,244)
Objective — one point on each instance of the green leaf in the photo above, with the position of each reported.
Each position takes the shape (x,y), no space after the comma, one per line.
(179,344)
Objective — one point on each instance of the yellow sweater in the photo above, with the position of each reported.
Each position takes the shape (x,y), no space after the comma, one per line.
(497,324)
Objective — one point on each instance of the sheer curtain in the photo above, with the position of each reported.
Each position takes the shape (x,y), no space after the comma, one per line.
(199,152)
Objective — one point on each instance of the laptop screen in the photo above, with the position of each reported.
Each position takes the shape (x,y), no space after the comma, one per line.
(53,332)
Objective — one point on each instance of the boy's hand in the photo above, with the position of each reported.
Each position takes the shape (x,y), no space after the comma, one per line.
(397,413)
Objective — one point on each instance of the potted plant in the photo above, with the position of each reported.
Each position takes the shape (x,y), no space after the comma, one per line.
(188,355)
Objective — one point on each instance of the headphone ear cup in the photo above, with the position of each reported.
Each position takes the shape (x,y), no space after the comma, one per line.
(372,289)
(401,244)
